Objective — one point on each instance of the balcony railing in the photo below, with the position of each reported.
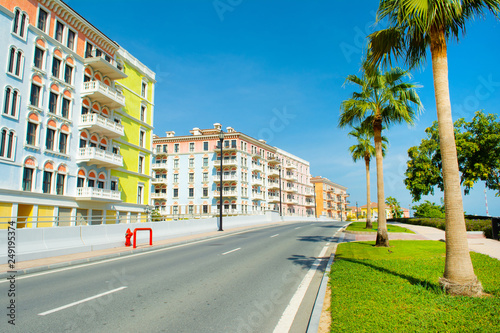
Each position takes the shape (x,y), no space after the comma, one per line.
(103,94)
(92,193)
(159,181)
(159,166)
(104,64)
(273,160)
(290,166)
(292,201)
(226,178)
(225,148)
(159,151)
(99,157)
(273,172)
(226,162)
(257,196)
(256,167)
(226,193)
(101,125)
(273,198)
(162,196)
(273,184)
(257,181)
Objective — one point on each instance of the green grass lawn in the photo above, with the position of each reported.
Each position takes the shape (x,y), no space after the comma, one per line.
(360,226)
(374,290)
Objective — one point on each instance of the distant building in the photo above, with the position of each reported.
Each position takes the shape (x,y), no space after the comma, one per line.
(331,198)
(76,120)
(187,175)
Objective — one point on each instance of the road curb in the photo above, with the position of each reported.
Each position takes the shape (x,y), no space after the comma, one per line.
(315,318)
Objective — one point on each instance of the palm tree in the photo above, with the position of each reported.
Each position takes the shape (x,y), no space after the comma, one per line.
(385,98)
(415,26)
(365,150)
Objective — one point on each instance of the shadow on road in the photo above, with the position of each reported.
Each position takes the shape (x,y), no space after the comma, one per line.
(308,262)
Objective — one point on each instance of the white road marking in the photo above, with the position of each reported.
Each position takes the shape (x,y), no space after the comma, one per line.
(298,228)
(286,320)
(231,251)
(274,235)
(124,257)
(80,302)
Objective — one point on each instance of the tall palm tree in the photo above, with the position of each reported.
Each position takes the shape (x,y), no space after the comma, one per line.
(364,149)
(415,26)
(385,98)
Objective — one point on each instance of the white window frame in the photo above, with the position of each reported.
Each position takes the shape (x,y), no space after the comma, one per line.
(140,194)
(37,133)
(47,22)
(142,138)
(40,94)
(44,56)
(191,147)
(11,110)
(4,142)
(17,62)
(17,20)
(61,67)
(141,165)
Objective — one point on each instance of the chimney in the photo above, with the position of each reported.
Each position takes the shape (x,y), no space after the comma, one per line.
(170,134)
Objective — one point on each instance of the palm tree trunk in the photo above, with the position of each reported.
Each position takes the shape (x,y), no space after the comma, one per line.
(382,237)
(368,199)
(459,277)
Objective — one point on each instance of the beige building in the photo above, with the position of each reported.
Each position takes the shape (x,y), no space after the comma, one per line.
(331,198)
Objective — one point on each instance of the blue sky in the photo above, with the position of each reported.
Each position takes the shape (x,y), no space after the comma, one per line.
(243,63)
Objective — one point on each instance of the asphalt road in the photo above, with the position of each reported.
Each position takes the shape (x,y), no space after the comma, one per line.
(241,282)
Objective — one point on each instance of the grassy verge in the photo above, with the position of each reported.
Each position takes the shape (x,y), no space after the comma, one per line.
(360,226)
(374,290)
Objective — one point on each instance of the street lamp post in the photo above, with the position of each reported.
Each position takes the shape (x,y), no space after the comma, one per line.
(221,139)
(315,206)
(279,169)
(356,210)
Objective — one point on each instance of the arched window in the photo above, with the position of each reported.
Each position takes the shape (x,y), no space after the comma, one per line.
(103,144)
(101,180)
(32,130)
(84,139)
(20,23)
(28,174)
(80,182)
(91,179)
(11,102)
(7,143)
(16,62)
(48,172)
(62,171)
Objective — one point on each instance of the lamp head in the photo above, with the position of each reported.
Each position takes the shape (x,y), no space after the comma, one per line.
(221,135)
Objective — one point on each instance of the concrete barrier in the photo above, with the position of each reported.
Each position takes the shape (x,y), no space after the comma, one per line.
(39,243)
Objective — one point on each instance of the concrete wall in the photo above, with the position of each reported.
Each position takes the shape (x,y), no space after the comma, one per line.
(47,242)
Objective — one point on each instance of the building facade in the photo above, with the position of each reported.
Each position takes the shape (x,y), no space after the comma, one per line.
(187,175)
(331,198)
(71,120)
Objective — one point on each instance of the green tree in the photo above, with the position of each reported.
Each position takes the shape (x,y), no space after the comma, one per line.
(364,149)
(384,99)
(428,209)
(395,207)
(478,153)
(414,26)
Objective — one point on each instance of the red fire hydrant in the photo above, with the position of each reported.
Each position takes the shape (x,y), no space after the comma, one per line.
(128,235)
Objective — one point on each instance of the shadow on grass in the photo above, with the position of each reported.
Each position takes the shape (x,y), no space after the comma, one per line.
(433,287)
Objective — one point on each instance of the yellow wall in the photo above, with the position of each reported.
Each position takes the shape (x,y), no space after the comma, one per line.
(318,187)
(45,216)
(111,217)
(5,214)
(24,212)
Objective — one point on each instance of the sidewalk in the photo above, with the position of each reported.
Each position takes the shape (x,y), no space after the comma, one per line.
(477,241)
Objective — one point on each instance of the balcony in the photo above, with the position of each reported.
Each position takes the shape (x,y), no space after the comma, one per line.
(273,184)
(257,196)
(273,161)
(159,181)
(226,193)
(225,148)
(290,177)
(290,166)
(105,65)
(309,192)
(226,162)
(309,203)
(226,178)
(256,167)
(99,157)
(160,151)
(273,172)
(159,166)
(257,181)
(159,196)
(290,189)
(291,201)
(103,94)
(101,125)
(97,194)
(273,198)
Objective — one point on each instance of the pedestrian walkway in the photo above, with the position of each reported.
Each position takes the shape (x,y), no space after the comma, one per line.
(477,241)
